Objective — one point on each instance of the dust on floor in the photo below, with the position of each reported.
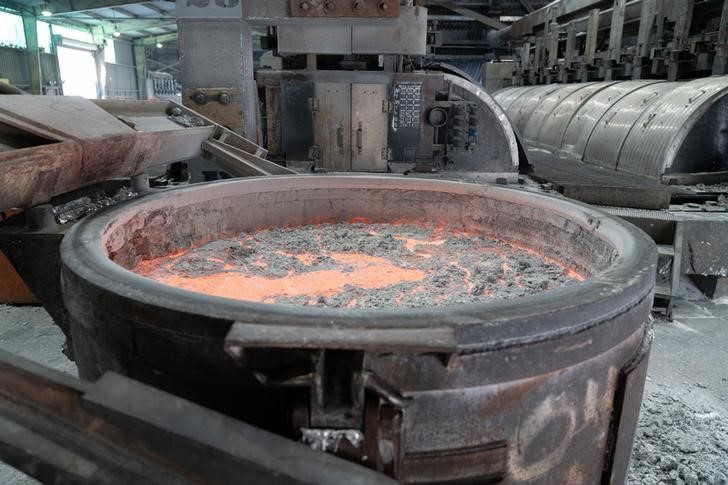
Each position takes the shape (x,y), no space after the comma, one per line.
(683,431)
(683,428)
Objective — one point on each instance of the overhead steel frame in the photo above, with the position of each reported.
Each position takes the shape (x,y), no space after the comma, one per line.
(588,40)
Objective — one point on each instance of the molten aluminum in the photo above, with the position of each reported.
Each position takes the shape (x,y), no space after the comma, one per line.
(360,265)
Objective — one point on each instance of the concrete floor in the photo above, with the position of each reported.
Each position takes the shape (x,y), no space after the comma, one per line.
(29,332)
(689,355)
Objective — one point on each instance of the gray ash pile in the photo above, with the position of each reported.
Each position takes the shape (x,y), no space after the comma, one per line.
(83,206)
(679,443)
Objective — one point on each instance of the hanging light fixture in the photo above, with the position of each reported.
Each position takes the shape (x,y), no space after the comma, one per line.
(116,26)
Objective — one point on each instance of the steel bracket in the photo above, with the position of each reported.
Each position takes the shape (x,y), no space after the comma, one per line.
(345,8)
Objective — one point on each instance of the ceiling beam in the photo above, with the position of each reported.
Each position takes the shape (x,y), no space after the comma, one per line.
(156,9)
(18,7)
(125,12)
(106,27)
(140,24)
(527,6)
(466,12)
(76,23)
(94,16)
(57,7)
(156,39)
(161,67)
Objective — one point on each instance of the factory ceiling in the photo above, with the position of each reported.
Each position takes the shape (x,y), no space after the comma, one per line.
(115,17)
(132,19)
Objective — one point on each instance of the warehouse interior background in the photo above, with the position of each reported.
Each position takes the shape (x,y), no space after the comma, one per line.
(374,241)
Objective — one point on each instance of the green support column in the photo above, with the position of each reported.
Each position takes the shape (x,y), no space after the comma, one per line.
(33,54)
(100,41)
(140,64)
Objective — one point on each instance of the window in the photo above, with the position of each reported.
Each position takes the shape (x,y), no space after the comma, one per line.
(78,72)
(12,33)
(44,36)
(75,34)
(110,51)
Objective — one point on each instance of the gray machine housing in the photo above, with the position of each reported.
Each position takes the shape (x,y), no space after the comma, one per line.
(378,121)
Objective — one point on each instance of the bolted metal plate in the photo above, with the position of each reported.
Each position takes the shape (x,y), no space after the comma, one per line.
(332,126)
(369,127)
(223,105)
(344,8)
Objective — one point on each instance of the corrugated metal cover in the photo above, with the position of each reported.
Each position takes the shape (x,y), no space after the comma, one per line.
(577,133)
(606,140)
(506,97)
(521,109)
(49,68)
(14,67)
(543,110)
(124,52)
(554,127)
(121,82)
(641,127)
(651,146)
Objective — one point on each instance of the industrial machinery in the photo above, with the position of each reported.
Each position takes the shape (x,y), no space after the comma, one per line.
(348,97)
(589,40)
(385,389)
(387,122)
(55,145)
(541,388)
(650,150)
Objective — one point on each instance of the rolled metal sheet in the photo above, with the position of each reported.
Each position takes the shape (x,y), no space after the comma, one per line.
(605,143)
(580,128)
(661,130)
(542,111)
(646,127)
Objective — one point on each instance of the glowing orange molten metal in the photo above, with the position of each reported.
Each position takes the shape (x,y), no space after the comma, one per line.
(359,265)
(363,271)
